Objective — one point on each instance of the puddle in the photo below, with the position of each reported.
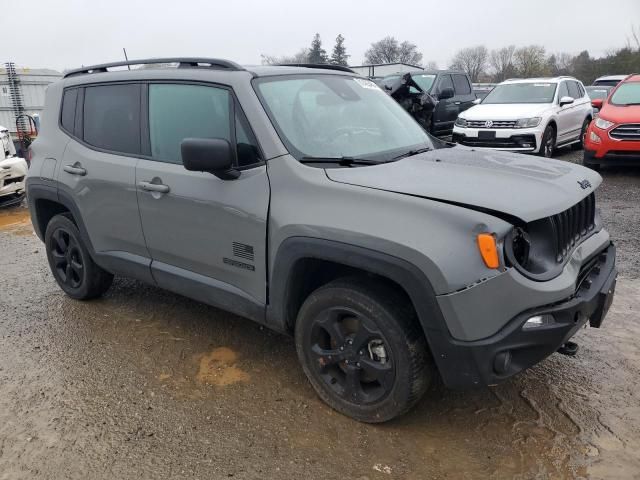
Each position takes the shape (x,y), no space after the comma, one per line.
(16,220)
(219,368)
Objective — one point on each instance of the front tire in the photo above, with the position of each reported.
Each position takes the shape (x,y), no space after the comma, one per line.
(362,349)
(548,144)
(71,265)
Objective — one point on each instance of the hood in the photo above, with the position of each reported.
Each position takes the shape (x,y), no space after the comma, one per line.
(619,114)
(515,185)
(503,111)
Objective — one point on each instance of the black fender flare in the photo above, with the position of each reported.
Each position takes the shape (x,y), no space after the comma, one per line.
(38,190)
(451,362)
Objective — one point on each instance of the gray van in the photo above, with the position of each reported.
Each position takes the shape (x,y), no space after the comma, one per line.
(306,199)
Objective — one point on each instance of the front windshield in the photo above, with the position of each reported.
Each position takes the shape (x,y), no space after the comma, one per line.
(597,92)
(626,94)
(424,81)
(526,92)
(334,116)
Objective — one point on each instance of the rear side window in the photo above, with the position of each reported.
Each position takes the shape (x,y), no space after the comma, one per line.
(177,112)
(574,92)
(68,113)
(461,84)
(111,117)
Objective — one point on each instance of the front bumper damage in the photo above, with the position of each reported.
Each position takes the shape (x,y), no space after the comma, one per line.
(513,349)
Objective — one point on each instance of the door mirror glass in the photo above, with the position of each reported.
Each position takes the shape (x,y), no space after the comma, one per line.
(597,103)
(446,92)
(213,155)
(566,101)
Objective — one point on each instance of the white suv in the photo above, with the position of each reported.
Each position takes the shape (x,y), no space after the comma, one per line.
(527,115)
(13,171)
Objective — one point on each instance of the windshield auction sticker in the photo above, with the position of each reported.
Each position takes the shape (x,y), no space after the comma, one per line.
(364,83)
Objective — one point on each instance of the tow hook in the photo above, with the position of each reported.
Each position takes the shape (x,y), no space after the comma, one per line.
(569,348)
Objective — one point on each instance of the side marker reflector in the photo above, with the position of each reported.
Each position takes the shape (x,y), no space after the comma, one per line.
(488,250)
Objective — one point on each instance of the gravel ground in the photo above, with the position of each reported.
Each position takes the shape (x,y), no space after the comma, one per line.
(146,384)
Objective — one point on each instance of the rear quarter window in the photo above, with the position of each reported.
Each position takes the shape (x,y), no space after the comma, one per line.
(68,109)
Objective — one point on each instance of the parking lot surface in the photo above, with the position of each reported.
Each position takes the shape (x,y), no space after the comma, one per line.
(146,384)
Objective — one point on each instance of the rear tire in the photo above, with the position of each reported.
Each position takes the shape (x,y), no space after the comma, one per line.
(548,144)
(362,349)
(70,262)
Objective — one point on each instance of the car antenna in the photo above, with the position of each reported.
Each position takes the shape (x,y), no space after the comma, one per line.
(125,57)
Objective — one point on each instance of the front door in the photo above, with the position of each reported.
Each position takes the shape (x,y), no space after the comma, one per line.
(202,232)
(446,111)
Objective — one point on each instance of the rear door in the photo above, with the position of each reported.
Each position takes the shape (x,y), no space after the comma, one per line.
(98,171)
(464,95)
(446,111)
(205,235)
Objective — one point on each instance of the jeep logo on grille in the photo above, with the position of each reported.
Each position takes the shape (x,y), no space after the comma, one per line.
(488,124)
(584,184)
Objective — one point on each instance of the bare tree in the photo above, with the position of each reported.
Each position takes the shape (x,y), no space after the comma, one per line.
(472,60)
(501,61)
(560,63)
(301,56)
(530,61)
(389,50)
(635,38)
(431,65)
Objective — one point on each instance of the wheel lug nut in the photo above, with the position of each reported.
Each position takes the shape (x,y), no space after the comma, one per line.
(358,364)
(341,348)
(350,342)
(360,353)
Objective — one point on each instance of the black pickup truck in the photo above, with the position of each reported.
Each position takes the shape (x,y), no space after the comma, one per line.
(434,98)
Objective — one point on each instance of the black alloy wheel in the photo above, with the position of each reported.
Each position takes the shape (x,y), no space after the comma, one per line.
(352,356)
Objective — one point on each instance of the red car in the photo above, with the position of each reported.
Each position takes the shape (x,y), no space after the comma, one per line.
(613,138)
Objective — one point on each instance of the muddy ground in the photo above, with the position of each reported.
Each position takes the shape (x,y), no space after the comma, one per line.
(147,384)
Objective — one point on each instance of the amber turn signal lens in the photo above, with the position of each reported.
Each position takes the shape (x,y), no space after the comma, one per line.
(488,250)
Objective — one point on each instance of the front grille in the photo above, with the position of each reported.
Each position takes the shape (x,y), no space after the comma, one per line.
(8,181)
(628,131)
(493,124)
(570,226)
(515,141)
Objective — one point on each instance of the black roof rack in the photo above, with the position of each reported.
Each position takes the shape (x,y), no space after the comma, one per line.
(183,62)
(324,66)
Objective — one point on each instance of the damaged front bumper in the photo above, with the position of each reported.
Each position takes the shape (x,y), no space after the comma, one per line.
(516,347)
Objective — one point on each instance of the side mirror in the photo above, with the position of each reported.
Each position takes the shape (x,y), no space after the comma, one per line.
(477,101)
(566,101)
(446,93)
(597,103)
(213,155)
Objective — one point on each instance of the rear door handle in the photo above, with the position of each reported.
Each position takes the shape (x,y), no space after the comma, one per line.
(154,187)
(75,170)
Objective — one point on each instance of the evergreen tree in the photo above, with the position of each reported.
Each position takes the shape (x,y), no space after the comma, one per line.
(317,54)
(339,55)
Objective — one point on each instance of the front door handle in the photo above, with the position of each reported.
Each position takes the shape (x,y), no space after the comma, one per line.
(75,169)
(154,187)
(456,103)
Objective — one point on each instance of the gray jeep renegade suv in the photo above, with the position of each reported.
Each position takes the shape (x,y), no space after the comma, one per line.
(308,200)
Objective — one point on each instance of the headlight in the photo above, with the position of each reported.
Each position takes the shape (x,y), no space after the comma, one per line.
(602,123)
(461,122)
(528,122)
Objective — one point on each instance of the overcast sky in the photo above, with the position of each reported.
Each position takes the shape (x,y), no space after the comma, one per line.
(63,34)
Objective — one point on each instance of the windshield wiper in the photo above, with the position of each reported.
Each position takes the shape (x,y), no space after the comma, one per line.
(413,152)
(345,161)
